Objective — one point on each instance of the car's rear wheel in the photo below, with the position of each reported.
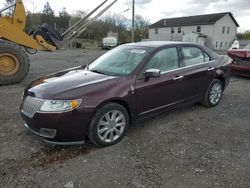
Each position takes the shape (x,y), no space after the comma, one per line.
(109,125)
(213,94)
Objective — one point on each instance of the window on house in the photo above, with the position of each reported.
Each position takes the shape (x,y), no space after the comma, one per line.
(223,29)
(179,29)
(156,31)
(228,30)
(172,29)
(225,44)
(221,44)
(216,44)
(198,29)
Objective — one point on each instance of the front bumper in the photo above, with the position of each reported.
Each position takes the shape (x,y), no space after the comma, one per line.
(60,128)
(45,133)
(52,142)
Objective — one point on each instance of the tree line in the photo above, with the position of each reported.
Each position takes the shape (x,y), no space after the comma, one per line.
(96,31)
(244,36)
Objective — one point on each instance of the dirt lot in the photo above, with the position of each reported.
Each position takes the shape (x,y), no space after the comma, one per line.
(189,147)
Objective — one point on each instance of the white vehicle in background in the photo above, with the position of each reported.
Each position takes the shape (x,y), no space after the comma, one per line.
(247,47)
(235,45)
(109,43)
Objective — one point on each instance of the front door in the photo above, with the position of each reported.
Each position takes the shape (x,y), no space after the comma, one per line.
(164,91)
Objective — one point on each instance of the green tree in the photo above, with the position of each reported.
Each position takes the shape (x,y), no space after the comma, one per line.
(47,10)
(244,36)
(48,15)
(63,20)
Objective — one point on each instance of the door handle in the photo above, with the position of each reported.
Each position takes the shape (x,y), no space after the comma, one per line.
(178,77)
(210,68)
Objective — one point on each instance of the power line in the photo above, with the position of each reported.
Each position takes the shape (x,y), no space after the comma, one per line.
(125,10)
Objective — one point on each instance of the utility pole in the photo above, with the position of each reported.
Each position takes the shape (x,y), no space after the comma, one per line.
(133,21)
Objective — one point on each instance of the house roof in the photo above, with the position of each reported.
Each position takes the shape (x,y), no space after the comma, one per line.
(206,19)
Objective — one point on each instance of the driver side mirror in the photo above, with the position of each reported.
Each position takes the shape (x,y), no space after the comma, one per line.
(152,73)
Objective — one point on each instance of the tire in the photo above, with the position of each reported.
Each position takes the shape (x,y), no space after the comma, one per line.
(213,94)
(106,128)
(19,60)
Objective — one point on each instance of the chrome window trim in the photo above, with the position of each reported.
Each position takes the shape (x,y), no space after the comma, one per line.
(185,67)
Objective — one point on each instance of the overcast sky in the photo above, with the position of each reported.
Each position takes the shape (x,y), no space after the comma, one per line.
(155,10)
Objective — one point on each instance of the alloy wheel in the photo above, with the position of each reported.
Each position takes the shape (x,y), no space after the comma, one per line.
(111,126)
(215,93)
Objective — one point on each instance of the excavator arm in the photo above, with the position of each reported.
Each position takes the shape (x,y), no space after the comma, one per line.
(12,29)
(14,61)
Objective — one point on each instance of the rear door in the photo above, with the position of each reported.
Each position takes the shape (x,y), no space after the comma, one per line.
(164,91)
(199,71)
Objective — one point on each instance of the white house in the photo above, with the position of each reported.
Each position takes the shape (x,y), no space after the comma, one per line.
(220,29)
(195,37)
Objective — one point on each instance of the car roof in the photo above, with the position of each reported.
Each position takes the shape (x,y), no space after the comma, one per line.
(159,44)
(156,44)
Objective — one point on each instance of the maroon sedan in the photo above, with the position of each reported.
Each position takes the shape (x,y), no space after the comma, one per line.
(241,61)
(101,100)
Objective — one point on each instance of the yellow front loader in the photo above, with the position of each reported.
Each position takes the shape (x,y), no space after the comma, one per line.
(15,43)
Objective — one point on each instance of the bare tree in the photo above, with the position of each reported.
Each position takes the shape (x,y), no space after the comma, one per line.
(9,11)
(141,28)
(116,23)
(63,20)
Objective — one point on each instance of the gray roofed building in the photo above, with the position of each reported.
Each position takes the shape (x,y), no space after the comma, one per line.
(221,29)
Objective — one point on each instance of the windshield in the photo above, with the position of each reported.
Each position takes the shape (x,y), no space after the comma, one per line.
(120,61)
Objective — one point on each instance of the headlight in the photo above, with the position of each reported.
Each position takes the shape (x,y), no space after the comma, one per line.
(59,105)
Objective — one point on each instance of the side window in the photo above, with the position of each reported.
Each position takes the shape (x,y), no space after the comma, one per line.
(172,29)
(164,60)
(193,56)
(198,29)
(156,31)
(223,29)
(221,44)
(206,57)
(179,29)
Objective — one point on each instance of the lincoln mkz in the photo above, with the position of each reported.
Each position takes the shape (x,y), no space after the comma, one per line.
(99,101)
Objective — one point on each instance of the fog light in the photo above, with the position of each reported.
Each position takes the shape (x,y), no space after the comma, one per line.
(47,133)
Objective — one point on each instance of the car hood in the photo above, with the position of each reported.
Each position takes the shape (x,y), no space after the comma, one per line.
(67,84)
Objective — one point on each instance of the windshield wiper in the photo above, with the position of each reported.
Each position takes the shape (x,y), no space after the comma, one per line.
(86,67)
(97,71)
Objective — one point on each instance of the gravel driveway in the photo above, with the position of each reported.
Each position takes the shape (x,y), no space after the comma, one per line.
(189,147)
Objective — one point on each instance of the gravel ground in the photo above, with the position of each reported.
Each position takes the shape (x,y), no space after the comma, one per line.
(189,147)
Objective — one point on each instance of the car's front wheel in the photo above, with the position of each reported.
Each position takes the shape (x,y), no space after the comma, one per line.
(109,125)
(213,94)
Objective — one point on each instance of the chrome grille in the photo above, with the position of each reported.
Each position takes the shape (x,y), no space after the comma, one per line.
(31,105)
